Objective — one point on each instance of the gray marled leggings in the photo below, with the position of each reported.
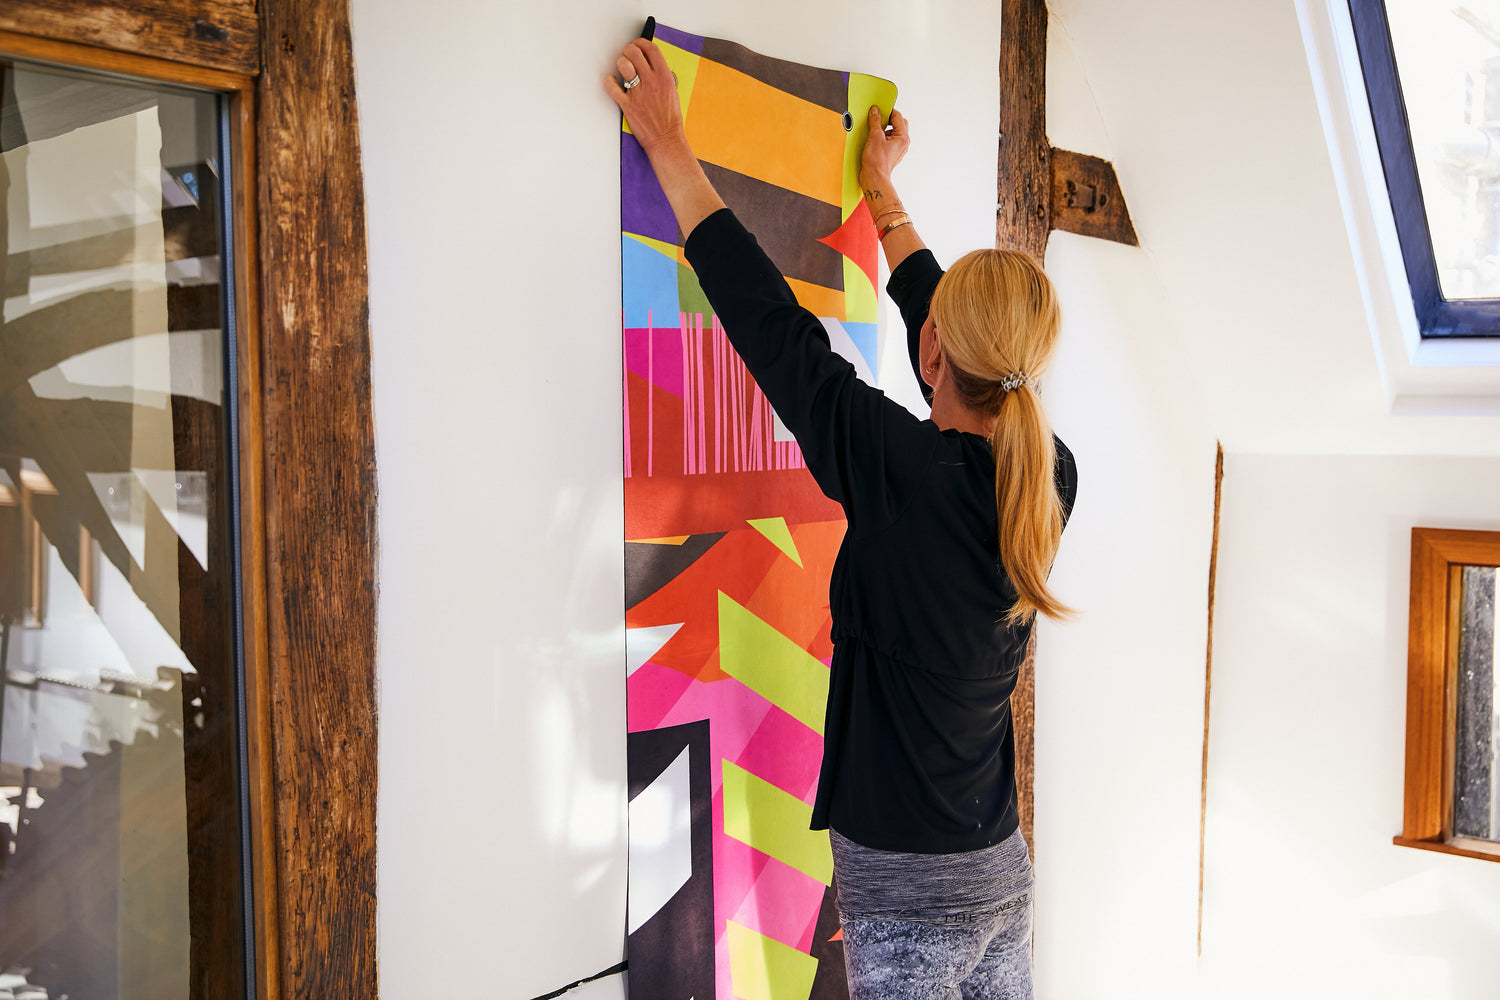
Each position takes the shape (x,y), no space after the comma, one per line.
(935,926)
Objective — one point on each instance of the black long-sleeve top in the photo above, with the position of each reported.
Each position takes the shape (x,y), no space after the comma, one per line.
(918,750)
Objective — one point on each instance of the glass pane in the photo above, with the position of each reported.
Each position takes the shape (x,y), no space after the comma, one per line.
(1448,59)
(120,857)
(1476,786)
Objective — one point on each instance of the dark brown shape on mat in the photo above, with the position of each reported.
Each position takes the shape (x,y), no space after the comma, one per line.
(824,87)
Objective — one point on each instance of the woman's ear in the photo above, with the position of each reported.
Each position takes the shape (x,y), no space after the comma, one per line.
(934,356)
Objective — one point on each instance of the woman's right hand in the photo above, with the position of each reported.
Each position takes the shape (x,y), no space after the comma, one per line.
(883,150)
(651,104)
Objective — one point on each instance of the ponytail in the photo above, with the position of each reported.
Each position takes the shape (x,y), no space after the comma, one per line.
(998,321)
(1027,506)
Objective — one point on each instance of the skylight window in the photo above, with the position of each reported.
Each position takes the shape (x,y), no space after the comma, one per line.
(1448,63)
(1432,72)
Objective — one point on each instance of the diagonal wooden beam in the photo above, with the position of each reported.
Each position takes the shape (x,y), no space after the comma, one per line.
(1086,198)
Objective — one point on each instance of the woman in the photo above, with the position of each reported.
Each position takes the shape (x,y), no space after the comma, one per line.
(917,784)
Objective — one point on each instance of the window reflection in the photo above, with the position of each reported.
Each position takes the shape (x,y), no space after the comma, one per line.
(1476,786)
(120,861)
(1448,59)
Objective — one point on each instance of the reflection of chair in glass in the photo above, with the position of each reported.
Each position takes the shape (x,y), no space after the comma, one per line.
(96,894)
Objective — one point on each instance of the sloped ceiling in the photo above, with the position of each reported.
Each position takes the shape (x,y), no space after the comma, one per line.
(1211,118)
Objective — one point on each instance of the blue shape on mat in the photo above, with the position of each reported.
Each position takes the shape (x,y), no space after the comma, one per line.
(866,337)
(650,279)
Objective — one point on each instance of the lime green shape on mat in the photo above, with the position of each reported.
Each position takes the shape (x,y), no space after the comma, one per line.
(863,92)
(684,66)
(778,534)
(667,250)
(762,968)
(771,665)
(774,822)
(861,301)
(690,296)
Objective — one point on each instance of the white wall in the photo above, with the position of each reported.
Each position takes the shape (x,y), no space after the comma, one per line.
(1119,702)
(1306,894)
(492,184)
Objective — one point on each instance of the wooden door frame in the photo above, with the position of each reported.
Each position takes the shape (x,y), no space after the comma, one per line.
(306,444)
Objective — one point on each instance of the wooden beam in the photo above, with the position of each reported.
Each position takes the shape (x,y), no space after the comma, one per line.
(215,34)
(1022,211)
(1086,198)
(319,499)
(1038,189)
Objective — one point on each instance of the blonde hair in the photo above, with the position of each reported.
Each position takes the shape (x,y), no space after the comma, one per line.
(996,315)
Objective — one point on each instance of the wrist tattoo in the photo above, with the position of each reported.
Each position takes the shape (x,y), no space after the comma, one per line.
(874,195)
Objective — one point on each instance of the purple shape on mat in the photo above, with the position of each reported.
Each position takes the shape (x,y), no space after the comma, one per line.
(681,39)
(644,209)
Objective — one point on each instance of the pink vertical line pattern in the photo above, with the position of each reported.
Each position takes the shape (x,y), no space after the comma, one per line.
(753,442)
(650,397)
(625,376)
(741,431)
(687,396)
(702,418)
(728,381)
(759,417)
(768,434)
(713,336)
(752,424)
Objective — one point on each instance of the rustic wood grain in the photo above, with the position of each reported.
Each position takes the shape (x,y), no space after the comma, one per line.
(319,499)
(218,34)
(1023,185)
(1022,212)
(1086,198)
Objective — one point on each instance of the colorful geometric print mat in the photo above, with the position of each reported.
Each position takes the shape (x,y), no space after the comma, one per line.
(729,543)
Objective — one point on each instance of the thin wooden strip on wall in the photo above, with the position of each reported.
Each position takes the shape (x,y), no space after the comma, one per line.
(1086,198)
(218,34)
(1208,684)
(319,500)
(1022,209)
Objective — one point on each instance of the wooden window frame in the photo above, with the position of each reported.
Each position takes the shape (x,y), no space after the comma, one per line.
(306,449)
(1437,557)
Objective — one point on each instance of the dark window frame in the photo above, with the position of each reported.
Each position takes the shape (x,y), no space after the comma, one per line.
(1437,317)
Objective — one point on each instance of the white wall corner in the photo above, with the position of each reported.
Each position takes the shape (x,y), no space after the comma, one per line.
(1454,377)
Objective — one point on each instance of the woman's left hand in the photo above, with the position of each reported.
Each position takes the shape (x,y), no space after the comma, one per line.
(651,106)
(884,148)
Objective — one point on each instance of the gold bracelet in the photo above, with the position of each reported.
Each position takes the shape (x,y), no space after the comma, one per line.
(894,211)
(905,220)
